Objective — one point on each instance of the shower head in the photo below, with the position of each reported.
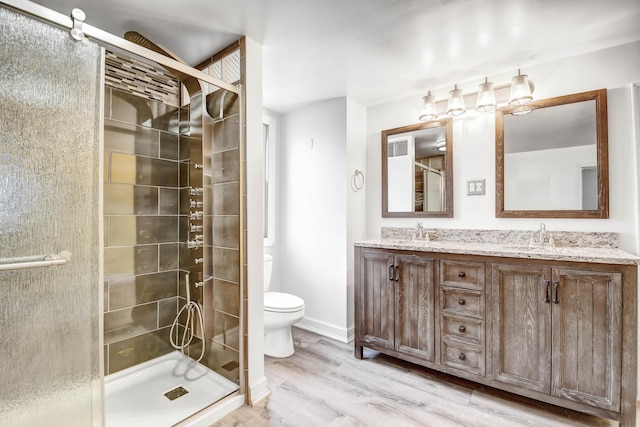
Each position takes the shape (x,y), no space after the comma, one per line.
(192,84)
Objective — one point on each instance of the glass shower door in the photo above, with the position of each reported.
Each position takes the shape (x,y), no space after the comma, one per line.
(50,103)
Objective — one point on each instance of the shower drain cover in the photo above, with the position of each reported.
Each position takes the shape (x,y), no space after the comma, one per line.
(176,393)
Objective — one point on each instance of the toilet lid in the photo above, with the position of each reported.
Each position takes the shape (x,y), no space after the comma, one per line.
(282,303)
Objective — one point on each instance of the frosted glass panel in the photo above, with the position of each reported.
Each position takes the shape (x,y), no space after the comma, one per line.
(50,98)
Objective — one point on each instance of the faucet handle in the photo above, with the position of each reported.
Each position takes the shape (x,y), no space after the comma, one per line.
(552,241)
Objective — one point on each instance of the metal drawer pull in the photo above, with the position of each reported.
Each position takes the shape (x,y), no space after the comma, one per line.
(547,291)
(462,328)
(396,273)
(35,261)
(461,302)
(461,356)
(391,272)
(555,292)
(461,274)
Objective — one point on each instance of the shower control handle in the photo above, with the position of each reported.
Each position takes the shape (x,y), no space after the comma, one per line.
(195,191)
(195,228)
(194,216)
(199,260)
(195,203)
(194,244)
(198,165)
(199,284)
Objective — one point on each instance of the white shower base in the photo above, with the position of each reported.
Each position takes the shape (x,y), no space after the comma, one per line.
(134,397)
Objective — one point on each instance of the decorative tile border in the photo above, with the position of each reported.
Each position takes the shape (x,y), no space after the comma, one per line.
(139,78)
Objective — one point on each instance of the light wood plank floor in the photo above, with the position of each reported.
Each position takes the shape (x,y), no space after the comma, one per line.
(322,384)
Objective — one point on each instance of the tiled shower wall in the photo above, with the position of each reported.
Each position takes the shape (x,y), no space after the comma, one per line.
(221,144)
(141,208)
(146,218)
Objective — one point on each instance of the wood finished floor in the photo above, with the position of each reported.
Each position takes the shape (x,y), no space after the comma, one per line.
(322,384)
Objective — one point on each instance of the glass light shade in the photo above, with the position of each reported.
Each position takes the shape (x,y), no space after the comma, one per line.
(521,110)
(486,97)
(455,106)
(428,108)
(520,90)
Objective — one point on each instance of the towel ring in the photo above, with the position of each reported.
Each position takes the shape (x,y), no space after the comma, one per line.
(357,180)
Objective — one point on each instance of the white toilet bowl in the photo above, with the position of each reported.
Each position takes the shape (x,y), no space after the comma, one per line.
(281,311)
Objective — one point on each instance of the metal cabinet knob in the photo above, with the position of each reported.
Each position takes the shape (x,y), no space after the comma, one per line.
(461,302)
(462,328)
(461,274)
(461,356)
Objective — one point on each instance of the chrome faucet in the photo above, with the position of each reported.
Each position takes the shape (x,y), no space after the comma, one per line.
(541,230)
(419,233)
(540,241)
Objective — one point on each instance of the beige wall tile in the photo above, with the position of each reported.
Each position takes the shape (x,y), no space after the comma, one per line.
(118,199)
(118,261)
(123,230)
(123,168)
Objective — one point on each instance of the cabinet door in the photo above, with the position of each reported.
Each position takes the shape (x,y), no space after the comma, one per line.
(377,297)
(521,326)
(415,307)
(586,338)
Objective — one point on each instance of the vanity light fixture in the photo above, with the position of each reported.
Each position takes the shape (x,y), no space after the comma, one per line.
(486,97)
(441,145)
(428,108)
(521,89)
(455,106)
(521,110)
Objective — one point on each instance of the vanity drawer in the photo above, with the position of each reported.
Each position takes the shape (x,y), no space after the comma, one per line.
(462,302)
(466,358)
(462,274)
(461,328)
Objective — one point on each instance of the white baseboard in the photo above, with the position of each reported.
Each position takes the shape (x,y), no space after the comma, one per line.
(259,391)
(325,329)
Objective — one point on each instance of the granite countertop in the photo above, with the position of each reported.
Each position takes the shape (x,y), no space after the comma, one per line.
(602,255)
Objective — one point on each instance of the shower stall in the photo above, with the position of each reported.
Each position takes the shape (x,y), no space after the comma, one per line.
(131,185)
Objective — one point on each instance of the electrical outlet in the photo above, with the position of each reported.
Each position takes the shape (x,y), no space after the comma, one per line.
(475,187)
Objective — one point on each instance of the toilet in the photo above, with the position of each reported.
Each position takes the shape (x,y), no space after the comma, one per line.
(281,311)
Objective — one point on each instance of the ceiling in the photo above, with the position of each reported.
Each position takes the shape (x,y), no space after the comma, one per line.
(371,50)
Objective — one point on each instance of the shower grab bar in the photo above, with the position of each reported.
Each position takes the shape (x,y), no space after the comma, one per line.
(36,261)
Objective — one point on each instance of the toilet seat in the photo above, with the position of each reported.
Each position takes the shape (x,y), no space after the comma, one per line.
(279,302)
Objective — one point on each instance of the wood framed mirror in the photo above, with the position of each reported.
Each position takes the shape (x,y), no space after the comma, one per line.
(552,158)
(417,170)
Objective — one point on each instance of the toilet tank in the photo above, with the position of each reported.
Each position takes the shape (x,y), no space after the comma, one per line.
(268,266)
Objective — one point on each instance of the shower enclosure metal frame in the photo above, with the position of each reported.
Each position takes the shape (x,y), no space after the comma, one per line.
(79,30)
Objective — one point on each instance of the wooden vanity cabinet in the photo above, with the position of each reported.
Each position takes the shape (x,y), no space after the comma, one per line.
(558,331)
(395,303)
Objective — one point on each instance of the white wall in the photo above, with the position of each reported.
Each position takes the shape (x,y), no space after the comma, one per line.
(318,154)
(473,142)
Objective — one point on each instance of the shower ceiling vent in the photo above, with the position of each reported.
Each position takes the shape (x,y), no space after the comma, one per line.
(176,393)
